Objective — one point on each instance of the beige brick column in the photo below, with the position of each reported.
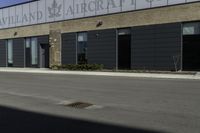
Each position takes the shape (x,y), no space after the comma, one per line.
(55,47)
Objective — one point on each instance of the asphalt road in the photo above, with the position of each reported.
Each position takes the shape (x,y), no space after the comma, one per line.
(30,103)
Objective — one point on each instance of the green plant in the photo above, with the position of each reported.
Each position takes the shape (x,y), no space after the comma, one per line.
(82,67)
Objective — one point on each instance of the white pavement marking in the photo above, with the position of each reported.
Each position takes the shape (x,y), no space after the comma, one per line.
(114,74)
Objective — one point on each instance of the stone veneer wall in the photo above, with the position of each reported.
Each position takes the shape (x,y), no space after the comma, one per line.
(55,47)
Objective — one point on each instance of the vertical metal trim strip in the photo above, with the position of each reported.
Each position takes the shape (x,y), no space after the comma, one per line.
(116,49)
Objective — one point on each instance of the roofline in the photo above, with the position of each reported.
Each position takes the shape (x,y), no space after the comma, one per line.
(18,4)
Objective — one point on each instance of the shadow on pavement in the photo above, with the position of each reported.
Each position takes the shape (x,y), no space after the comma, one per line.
(18,121)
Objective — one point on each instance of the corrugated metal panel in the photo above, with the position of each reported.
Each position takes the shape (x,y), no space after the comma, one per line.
(102,48)
(3,53)
(18,52)
(154,47)
(69,48)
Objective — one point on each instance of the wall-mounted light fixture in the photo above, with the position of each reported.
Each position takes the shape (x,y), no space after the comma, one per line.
(99,23)
(15,33)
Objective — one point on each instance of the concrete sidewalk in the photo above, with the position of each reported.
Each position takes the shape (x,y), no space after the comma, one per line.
(94,73)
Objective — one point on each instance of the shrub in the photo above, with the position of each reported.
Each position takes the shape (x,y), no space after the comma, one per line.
(82,67)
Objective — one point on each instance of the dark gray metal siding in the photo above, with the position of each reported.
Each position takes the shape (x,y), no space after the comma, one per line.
(102,48)
(153,47)
(18,52)
(69,48)
(3,53)
(43,39)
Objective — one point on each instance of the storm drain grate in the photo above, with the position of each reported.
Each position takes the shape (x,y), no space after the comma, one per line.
(79,105)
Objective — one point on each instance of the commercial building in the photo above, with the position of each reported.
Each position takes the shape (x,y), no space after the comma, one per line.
(120,34)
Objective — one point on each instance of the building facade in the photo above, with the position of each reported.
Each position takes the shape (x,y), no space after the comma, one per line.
(120,34)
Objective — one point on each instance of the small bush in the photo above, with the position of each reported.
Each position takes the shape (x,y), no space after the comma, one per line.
(82,67)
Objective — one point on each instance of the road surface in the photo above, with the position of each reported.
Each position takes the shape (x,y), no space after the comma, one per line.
(34,103)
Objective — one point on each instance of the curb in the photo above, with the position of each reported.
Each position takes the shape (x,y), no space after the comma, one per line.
(111,74)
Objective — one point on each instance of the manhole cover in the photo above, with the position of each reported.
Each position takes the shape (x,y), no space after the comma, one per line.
(79,105)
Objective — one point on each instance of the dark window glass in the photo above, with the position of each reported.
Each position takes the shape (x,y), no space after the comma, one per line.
(191,28)
(34,51)
(82,48)
(31,51)
(10,53)
(28,42)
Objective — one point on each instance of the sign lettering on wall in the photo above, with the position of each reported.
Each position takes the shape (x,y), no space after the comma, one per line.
(44,11)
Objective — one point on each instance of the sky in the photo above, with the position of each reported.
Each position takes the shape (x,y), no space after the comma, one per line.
(4,3)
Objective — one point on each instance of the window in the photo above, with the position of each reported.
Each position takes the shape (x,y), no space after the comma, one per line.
(191,28)
(82,48)
(10,53)
(28,43)
(34,51)
(31,45)
(126,31)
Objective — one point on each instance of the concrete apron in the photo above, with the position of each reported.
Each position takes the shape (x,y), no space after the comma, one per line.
(94,73)
(198,74)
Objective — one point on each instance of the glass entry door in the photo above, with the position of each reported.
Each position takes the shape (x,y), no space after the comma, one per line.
(31,52)
(44,55)
(124,49)
(191,46)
